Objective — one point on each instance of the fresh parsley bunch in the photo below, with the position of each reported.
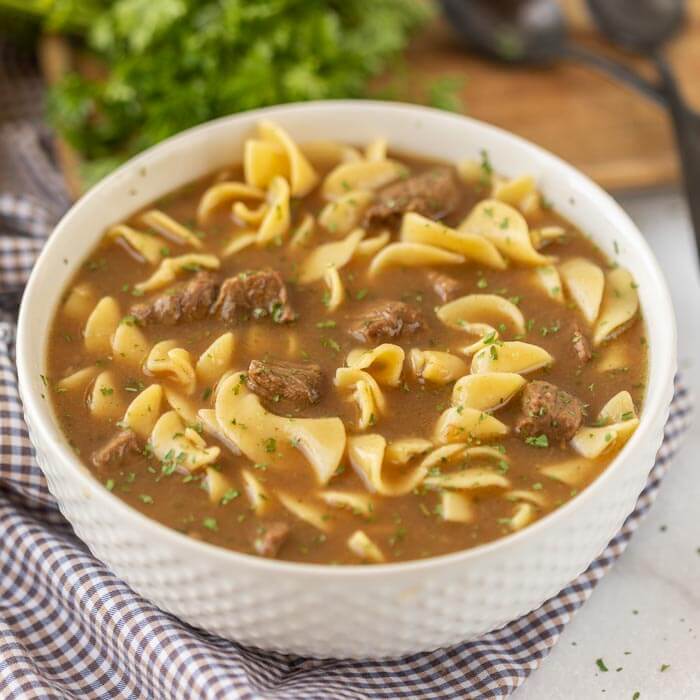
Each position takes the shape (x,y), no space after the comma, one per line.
(175,63)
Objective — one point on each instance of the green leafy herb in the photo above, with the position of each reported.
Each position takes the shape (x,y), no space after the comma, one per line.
(444,93)
(167,62)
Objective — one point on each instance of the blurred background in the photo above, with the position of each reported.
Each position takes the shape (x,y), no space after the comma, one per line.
(125,74)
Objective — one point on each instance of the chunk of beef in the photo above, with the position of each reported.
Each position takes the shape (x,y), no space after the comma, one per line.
(257,293)
(385,320)
(298,383)
(549,410)
(186,302)
(268,543)
(123,443)
(433,194)
(446,287)
(581,345)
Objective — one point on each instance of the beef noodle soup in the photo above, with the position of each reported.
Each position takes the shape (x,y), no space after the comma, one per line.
(342,355)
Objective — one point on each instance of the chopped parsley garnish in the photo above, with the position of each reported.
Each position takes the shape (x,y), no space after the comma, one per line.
(145,498)
(601,665)
(229,496)
(211,524)
(538,441)
(331,344)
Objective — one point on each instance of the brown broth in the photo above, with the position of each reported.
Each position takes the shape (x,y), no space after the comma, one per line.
(405,527)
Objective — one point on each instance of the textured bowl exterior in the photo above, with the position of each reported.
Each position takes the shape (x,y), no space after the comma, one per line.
(356,611)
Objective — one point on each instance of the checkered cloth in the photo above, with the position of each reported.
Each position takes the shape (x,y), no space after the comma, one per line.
(69,628)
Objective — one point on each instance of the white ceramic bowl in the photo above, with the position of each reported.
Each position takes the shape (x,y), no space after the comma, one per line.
(353,611)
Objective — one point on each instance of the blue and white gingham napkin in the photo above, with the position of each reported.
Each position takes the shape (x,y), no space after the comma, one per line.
(69,628)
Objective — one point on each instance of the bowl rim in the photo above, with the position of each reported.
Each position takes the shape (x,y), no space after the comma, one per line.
(44,422)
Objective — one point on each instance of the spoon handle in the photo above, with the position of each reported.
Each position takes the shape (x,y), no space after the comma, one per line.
(616,70)
(686,125)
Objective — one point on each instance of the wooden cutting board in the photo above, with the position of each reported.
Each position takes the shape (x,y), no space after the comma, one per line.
(619,138)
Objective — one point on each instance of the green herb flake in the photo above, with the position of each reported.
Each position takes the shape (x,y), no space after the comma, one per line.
(211,524)
(229,496)
(537,441)
(601,665)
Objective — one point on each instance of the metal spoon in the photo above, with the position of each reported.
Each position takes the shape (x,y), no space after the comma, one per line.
(534,31)
(531,31)
(645,26)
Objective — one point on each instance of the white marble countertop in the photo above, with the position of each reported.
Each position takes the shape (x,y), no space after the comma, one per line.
(643,619)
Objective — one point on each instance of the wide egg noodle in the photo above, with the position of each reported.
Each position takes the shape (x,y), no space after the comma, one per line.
(144,410)
(226,193)
(478,315)
(403,450)
(145,246)
(335,287)
(172,440)
(101,326)
(512,356)
(419,229)
(276,222)
(457,507)
(362,546)
(344,214)
(302,509)
(619,305)
(411,255)
(336,254)
(170,268)
(106,401)
(367,457)
(215,360)
(79,302)
(436,366)
(246,422)
(129,344)
(616,422)
(584,282)
(172,363)
(506,228)
(257,494)
(486,392)
(77,380)
(384,362)
(548,278)
(167,226)
(361,175)
(366,394)
(302,176)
